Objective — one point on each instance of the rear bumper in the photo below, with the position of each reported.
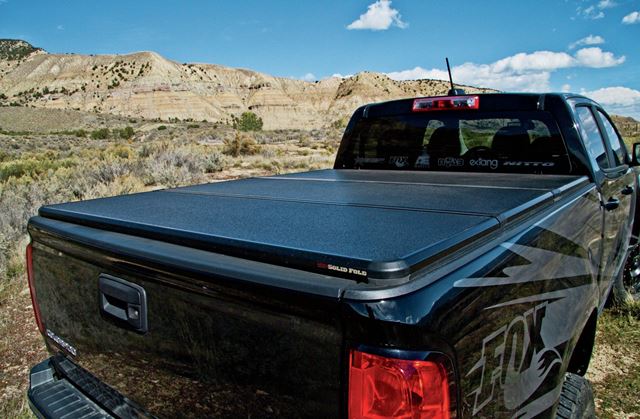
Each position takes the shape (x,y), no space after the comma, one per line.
(58,388)
(51,396)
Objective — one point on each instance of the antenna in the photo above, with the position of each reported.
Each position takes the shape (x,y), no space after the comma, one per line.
(453,91)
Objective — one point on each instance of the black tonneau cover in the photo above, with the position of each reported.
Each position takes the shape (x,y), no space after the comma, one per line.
(356,224)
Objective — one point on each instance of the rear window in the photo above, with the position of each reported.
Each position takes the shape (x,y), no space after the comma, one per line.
(524,142)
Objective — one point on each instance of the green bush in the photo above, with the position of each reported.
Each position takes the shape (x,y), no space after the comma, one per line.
(162,127)
(248,121)
(100,134)
(126,133)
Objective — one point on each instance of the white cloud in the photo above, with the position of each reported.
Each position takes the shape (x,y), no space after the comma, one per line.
(622,96)
(606,4)
(520,72)
(631,18)
(341,76)
(379,17)
(618,100)
(596,58)
(535,61)
(309,77)
(587,40)
(483,75)
(566,88)
(590,12)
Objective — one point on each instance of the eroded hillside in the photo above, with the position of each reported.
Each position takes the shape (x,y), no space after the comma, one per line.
(147,85)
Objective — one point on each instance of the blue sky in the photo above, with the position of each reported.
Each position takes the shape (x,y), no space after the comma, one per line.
(590,46)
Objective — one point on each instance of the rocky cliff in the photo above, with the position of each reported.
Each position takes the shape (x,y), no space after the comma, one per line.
(145,84)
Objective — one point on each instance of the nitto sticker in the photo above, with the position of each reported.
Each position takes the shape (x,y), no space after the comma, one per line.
(530,163)
(62,343)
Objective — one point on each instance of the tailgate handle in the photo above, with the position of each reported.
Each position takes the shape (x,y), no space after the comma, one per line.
(123,303)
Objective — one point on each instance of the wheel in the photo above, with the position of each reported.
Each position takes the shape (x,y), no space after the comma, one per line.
(576,398)
(626,287)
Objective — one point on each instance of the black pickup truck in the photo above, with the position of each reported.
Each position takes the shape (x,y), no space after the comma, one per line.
(452,264)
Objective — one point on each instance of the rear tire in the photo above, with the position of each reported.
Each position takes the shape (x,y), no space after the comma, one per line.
(626,287)
(576,399)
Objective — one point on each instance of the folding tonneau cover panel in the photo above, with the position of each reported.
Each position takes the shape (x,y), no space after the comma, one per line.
(355,224)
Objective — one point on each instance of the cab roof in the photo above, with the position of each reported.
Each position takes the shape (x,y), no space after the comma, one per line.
(488,102)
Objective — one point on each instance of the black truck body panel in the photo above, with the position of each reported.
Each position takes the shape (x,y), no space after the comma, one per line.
(257,290)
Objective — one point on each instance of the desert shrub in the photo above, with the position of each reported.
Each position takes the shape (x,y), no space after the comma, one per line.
(171,165)
(162,127)
(191,126)
(122,151)
(108,170)
(126,133)
(248,121)
(304,142)
(240,145)
(31,167)
(267,153)
(100,134)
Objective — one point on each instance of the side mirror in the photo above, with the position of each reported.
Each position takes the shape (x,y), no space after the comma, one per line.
(635,155)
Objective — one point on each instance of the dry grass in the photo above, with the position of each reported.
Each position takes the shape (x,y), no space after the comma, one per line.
(614,370)
(21,345)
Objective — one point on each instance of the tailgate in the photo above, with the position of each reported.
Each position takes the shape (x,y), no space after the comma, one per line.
(216,345)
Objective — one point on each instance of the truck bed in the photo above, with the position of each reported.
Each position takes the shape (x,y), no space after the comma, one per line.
(363,225)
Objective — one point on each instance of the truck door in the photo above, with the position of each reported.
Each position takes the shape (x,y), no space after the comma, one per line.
(624,180)
(614,178)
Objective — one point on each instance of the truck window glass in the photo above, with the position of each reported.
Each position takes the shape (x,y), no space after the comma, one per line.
(489,141)
(593,140)
(614,140)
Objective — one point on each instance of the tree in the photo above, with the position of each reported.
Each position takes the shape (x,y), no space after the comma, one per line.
(248,121)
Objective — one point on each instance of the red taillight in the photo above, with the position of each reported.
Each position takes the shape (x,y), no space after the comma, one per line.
(34,301)
(446,103)
(381,387)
